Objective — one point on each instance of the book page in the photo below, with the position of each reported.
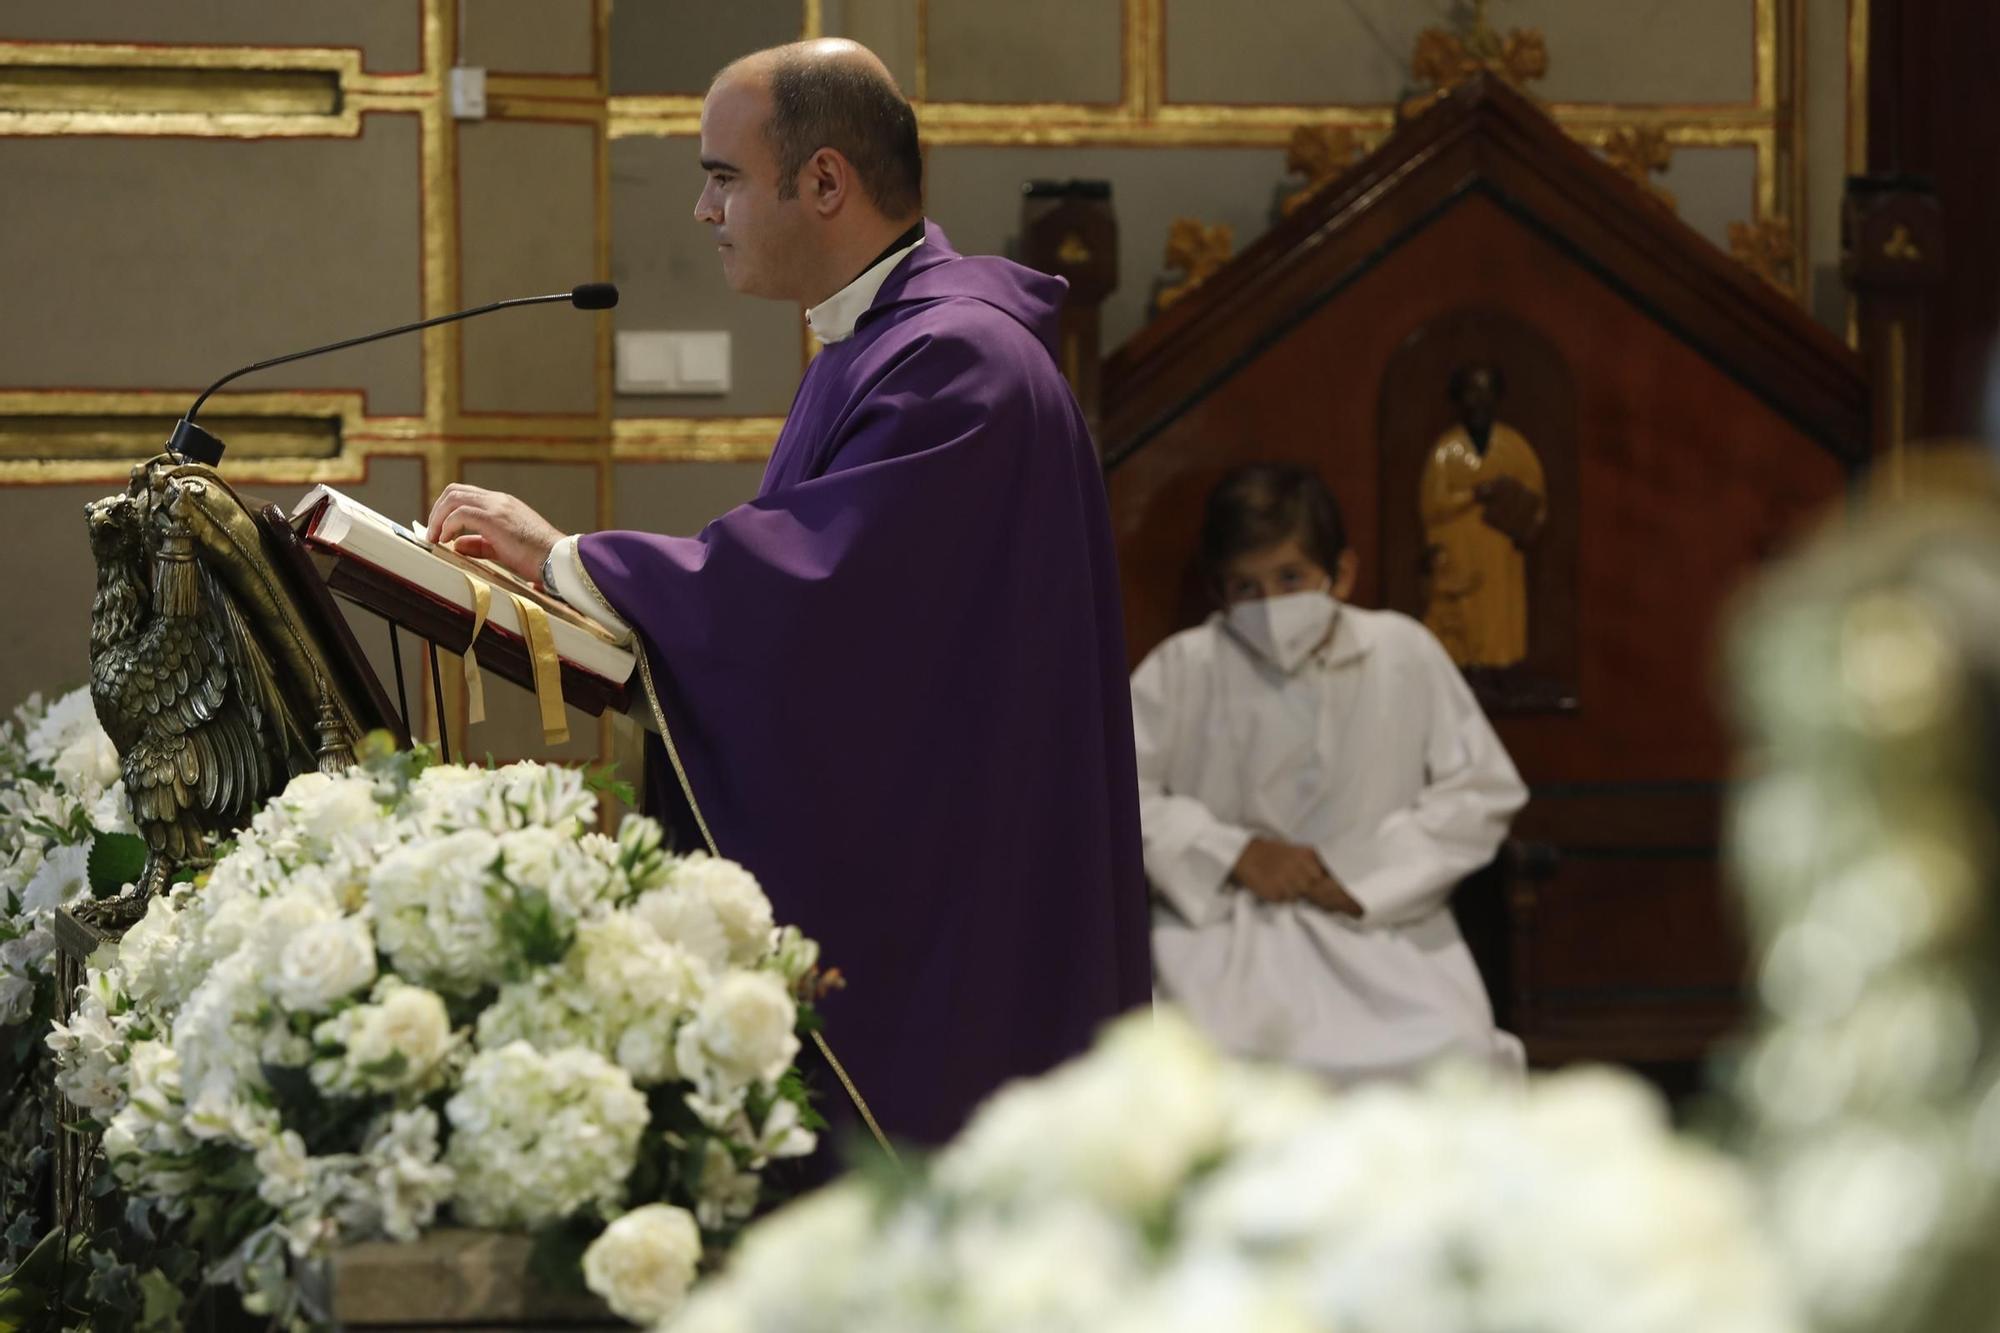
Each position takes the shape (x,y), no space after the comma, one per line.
(484,570)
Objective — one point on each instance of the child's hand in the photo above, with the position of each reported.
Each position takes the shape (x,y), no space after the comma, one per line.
(1329,895)
(1279,872)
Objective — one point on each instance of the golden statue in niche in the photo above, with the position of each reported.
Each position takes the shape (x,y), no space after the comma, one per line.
(1483,502)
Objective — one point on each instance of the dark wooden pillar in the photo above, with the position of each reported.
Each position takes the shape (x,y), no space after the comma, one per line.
(1068,229)
(1892,254)
(1934,113)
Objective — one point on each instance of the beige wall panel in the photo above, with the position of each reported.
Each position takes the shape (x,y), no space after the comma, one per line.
(163,263)
(975,193)
(389,32)
(886,27)
(679,499)
(1025,50)
(1826,156)
(1359,50)
(47,643)
(676,46)
(1714,187)
(669,278)
(565,494)
(527,225)
(530,36)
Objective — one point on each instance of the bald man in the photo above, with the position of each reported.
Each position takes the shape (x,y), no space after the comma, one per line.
(892,685)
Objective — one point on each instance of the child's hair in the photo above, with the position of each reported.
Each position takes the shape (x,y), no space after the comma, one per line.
(1263,504)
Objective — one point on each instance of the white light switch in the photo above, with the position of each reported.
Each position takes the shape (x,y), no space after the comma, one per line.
(468,92)
(672,362)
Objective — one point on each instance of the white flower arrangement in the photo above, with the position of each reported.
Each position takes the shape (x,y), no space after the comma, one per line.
(1153,1185)
(414,994)
(59,789)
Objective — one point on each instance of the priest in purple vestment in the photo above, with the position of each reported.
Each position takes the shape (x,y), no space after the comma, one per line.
(892,685)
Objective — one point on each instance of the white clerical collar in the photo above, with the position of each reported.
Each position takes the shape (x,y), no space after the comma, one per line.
(833,319)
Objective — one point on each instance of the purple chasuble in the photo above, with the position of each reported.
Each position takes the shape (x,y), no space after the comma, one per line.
(896,682)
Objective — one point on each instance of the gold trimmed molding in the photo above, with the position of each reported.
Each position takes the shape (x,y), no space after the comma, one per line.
(1857,87)
(694,439)
(990,124)
(225,92)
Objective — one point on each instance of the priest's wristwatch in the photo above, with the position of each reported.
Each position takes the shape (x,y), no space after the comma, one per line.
(549,572)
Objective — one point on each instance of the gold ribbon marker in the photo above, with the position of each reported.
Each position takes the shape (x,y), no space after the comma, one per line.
(475,684)
(541,643)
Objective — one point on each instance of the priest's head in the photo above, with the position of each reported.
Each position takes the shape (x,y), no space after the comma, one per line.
(813,168)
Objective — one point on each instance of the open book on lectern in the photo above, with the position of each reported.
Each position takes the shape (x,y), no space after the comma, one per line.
(434,592)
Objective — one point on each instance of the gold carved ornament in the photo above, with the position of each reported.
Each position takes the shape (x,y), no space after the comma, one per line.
(1195,249)
(1766,249)
(1639,151)
(1445,58)
(1320,153)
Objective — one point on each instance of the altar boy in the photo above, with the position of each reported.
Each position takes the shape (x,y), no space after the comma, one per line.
(1314,781)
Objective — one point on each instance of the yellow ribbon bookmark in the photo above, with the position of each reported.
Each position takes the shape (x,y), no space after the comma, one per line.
(541,642)
(475,684)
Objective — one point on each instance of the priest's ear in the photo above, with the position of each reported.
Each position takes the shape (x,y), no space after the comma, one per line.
(827,182)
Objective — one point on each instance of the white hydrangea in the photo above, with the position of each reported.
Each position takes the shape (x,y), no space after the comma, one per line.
(381,942)
(644,1262)
(433,914)
(539,1137)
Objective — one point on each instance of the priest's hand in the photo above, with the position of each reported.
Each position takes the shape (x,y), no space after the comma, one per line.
(491,525)
(1279,872)
(1510,508)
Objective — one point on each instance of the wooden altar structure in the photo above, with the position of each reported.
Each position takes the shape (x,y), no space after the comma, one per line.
(1690,419)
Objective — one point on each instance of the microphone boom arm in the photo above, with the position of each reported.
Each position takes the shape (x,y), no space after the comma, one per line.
(371,337)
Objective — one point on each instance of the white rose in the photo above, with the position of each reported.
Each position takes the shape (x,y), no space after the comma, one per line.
(737,900)
(745,1027)
(687,921)
(645,1262)
(322,963)
(410,1022)
(325,808)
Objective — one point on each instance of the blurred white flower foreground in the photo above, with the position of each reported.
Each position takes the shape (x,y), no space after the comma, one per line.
(1153,1185)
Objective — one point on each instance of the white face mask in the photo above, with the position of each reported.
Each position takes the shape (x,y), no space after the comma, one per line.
(1284,630)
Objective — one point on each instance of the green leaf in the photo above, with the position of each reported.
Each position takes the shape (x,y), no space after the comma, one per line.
(160,1303)
(556,1261)
(30,1292)
(116,859)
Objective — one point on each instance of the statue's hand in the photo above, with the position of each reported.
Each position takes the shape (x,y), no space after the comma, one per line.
(1510,508)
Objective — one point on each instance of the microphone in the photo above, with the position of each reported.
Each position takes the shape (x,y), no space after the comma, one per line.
(196,445)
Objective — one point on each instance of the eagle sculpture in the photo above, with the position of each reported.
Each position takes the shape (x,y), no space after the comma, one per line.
(182,686)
